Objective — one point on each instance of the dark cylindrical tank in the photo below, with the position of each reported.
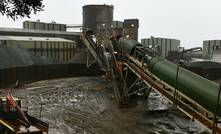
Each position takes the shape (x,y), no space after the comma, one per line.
(131,28)
(95,16)
(201,90)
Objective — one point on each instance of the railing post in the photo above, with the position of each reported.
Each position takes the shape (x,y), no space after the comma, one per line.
(177,74)
(217,108)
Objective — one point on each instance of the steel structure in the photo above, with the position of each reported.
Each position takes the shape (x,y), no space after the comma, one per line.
(195,96)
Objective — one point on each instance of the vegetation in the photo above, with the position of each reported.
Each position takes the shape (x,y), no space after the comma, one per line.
(20,8)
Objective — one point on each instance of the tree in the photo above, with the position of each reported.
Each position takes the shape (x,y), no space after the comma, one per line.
(20,8)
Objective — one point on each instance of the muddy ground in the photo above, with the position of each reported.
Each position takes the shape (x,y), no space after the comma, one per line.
(85,105)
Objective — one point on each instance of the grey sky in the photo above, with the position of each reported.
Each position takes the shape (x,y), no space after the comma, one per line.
(191,21)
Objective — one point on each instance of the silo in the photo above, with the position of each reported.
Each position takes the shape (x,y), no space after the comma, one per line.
(96,16)
(117,28)
(131,28)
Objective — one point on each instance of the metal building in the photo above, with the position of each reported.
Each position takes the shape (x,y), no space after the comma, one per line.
(58,48)
(37,25)
(212,50)
(165,44)
(73,36)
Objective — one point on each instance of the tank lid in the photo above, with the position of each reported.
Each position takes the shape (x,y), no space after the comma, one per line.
(97,5)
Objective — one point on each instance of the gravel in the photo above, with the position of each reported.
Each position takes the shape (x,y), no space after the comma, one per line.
(11,56)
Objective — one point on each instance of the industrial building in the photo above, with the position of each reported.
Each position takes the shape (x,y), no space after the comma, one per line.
(58,48)
(74,36)
(135,71)
(37,25)
(212,50)
(165,45)
(43,39)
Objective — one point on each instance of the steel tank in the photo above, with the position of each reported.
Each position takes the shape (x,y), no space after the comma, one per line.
(131,27)
(96,16)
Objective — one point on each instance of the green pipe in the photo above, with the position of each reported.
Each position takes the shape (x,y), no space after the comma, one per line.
(199,89)
(127,45)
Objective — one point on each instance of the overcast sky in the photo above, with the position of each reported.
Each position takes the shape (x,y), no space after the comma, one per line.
(191,21)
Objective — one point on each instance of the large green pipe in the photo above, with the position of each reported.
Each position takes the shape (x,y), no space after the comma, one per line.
(127,45)
(199,89)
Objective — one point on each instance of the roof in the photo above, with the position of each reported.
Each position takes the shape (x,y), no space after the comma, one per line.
(30,38)
(19,30)
(38,21)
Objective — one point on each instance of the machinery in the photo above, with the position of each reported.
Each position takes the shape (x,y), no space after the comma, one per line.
(192,85)
(15,121)
(134,64)
(196,96)
(134,68)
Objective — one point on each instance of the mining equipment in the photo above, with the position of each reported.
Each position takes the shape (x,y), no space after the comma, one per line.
(15,121)
(134,68)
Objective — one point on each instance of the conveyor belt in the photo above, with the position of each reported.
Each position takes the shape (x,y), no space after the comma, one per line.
(91,47)
(186,105)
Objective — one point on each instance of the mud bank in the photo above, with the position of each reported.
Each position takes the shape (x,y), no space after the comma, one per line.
(85,105)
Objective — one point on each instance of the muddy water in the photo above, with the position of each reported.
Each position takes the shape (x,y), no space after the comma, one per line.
(85,105)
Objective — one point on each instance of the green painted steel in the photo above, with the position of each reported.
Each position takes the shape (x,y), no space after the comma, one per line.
(127,45)
(199,89)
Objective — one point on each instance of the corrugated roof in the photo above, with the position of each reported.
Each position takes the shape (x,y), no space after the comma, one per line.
(36,31)
(29,38)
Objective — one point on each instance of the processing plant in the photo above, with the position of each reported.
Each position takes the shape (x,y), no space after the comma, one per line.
(111,49)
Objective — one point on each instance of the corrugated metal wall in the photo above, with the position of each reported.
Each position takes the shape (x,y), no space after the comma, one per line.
(44,26)
(165,44)
(209,46)
(63,51)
